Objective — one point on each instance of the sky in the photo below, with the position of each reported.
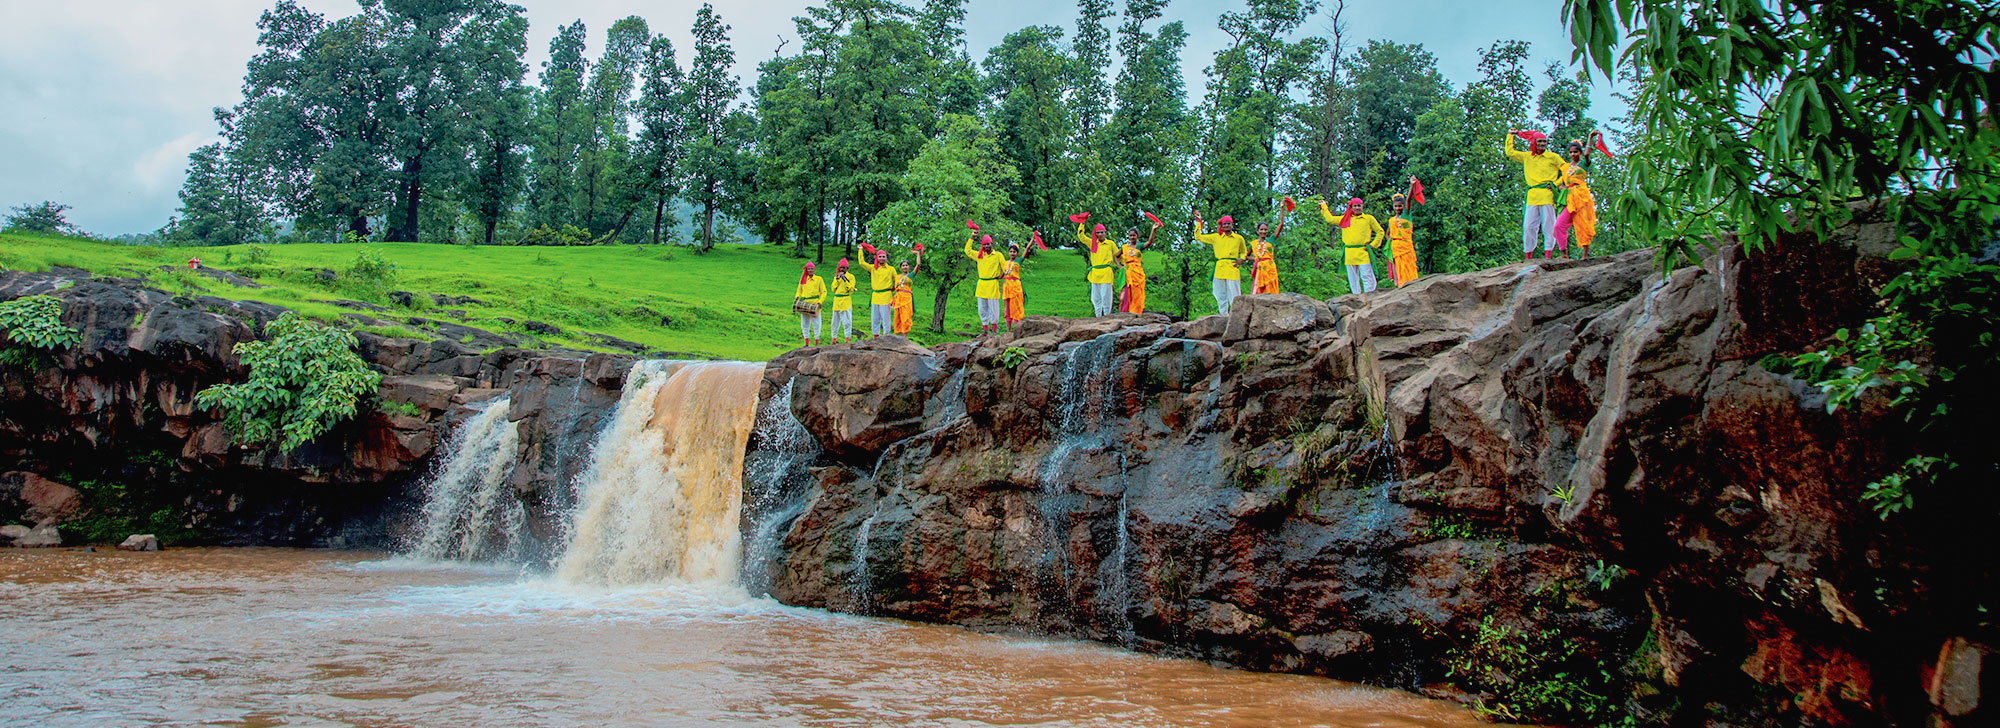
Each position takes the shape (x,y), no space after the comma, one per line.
(101,100)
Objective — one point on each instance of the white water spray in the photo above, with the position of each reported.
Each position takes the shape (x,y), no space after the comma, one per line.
(469,513)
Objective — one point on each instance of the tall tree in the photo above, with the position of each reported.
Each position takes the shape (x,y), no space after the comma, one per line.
(1390,84)
(657,155)
(497,104)
(1456,150)
(959,175)
(1249,100)
(952,86)
(710,89)
(1026,74)
(212,210)
(428,45)
(882,125)
(1092,62)
(604,152)
(1149,141)
(560,124)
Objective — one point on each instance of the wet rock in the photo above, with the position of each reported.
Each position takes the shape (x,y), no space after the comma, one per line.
(425,391)
(23,537)
(140,542)
(1275,314)
(1958,679)
(41,501)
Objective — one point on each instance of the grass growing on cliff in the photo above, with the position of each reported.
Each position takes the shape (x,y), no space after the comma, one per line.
(734,302)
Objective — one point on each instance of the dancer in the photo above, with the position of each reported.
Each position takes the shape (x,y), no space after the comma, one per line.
(905,312)
(811,294)
(987,292)
(1402,235)
(1358,233)
(1263,264)
(1102,257)
(1134,298)
(1573,197)
(1229,248)
(882,287)
(1541,168)
(841,326)
(1014,301)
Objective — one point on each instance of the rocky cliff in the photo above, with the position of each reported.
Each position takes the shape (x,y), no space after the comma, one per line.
(111,429)
(1567,490)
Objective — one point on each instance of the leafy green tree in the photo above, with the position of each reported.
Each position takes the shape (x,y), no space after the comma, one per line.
(30,325)
(880,125)
(1148,144)
(953,85)
(1026,74)
(1456,150)
(657,154)
(207,204)
(604,205)
(1391,84)
(497,104)
(561,123)
(961,174)
(45,218)
(709,91)
(1092,61)
(302,381)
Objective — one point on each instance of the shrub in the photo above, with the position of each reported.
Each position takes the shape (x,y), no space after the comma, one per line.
(256,255)
(371,268)
(30,324)
(566,235)
(45,218)
(304,380)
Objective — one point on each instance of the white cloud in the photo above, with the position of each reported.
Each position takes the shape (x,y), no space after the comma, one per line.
(163,168)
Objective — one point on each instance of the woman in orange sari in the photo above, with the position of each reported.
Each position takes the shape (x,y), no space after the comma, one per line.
(1014,300)
(904,312)
(1133,299)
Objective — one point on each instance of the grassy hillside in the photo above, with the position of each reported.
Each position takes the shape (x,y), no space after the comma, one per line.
(732,303)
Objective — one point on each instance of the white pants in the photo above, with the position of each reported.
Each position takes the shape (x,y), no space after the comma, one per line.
(1225,290)
(1100,298)
(808,326)
(881,319)
(989,311)
(1361,278)
(842,324)
(1538,221)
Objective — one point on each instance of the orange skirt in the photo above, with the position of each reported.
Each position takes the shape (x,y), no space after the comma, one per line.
(1015,300)
(900,306)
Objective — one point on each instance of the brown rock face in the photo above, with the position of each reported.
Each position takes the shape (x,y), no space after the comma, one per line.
(1585,455)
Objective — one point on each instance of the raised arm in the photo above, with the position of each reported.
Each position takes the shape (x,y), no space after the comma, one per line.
(1512,153)
(971,251)
(1327,215)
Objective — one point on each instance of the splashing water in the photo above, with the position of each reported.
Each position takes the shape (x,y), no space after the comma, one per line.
(469,512)
(664,491)
(775,480)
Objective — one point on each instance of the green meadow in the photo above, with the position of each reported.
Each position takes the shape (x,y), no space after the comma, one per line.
(733,302)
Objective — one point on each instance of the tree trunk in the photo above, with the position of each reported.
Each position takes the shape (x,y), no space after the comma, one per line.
(413,190)
(659,216)
(359,226)
(938,306)
(708,214)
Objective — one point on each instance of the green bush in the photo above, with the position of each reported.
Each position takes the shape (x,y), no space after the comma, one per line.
(304,380)
(32,324)
(1535,675)
(371,268)
(566,235)
(256,255)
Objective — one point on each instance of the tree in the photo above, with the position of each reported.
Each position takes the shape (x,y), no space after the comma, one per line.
(1150,138)
(215,208)
(1390,84)
(1455,148)
(560,124)
(1565,106)
(302,381)
(880,125)
(709,91)
(426,47)
(1092,61)
(45,218)
(604,149)
(657,155)
(497,103)
(961,174)
(1026,73)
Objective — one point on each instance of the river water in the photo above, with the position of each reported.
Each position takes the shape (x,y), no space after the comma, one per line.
(260,637)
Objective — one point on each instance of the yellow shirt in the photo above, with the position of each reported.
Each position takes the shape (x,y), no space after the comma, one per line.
(882,280)
(1101,260)
(1540,170)
(1135,268)
(1228,250)
(843,291)
(989,270)
(814,289)
(1361,233)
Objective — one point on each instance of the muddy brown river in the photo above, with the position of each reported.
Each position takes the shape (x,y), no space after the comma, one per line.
(261,637)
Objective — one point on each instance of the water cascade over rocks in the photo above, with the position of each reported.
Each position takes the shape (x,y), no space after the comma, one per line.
(469,512)
(663,495)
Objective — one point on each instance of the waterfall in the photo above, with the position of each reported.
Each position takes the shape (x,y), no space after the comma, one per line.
(469,512)
(775,480)
(663,494)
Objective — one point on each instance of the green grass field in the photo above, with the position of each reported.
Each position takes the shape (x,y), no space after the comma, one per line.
(734,302)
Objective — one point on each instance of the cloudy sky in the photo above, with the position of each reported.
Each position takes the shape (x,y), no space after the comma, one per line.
(101,100)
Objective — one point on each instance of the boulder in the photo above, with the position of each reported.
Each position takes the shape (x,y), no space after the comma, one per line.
(139,542)
(24,537)
(859,398)
(43,502)
(432,392)
(1269,315)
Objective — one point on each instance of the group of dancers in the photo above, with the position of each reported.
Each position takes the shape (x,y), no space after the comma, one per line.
(1558,203)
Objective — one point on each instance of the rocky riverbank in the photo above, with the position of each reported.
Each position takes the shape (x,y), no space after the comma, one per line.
(1578,488)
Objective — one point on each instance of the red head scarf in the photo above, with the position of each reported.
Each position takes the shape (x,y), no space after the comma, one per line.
(1225,219)
(807,275)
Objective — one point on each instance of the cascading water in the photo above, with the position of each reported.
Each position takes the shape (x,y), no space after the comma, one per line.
(469,512)
(775,480)
(662,498)
(1080,408)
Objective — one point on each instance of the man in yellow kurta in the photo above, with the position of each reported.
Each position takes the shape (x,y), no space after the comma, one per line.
(1103,255)
(1229,253)
(1542,169)
(812,290)
(882,291)
(841,289)
(1133,300)
(989,266)
(1402,241)
(1358,233)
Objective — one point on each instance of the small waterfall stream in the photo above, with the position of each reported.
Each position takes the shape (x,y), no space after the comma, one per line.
(469,512)
(776,477)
